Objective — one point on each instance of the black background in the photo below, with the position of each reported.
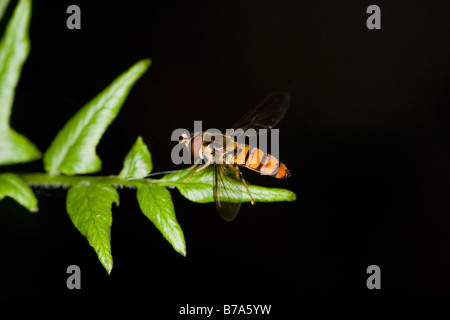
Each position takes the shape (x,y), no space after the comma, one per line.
(366,138)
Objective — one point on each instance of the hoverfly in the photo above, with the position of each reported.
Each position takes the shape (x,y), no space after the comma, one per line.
(203,147)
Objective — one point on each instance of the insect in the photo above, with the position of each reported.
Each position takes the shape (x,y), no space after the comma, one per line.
(227,154)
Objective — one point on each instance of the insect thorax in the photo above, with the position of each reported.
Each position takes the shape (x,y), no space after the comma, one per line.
(219,149)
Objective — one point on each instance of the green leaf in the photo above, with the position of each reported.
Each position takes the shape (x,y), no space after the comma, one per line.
(14,49)
(199,188)
(156,204)
(15,148)
(3,6)
(73,150)
(14,187)
(138,162)
(89,208)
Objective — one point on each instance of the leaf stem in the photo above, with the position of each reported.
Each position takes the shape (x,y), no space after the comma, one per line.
(55,181)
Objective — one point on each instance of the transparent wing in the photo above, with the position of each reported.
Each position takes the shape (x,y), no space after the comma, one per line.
(226,194)
(267,114)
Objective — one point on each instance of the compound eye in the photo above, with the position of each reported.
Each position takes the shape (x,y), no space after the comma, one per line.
(196,147)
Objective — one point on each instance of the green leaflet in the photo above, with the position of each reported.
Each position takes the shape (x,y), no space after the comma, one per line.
(3,6)
(154,201)
(138,161)
(199,188)
(15,148)
(73,149)
(89,208)
(12,186)
(14,48)
(156,204)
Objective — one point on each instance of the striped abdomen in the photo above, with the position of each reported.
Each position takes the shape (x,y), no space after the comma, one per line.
(257,160)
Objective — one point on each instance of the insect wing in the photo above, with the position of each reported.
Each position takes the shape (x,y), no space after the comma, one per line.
(267,114)
(227,194)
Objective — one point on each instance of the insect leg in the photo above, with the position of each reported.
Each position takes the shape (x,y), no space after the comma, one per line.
(248,191)
(218,189)
(193,166)
(197,170)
